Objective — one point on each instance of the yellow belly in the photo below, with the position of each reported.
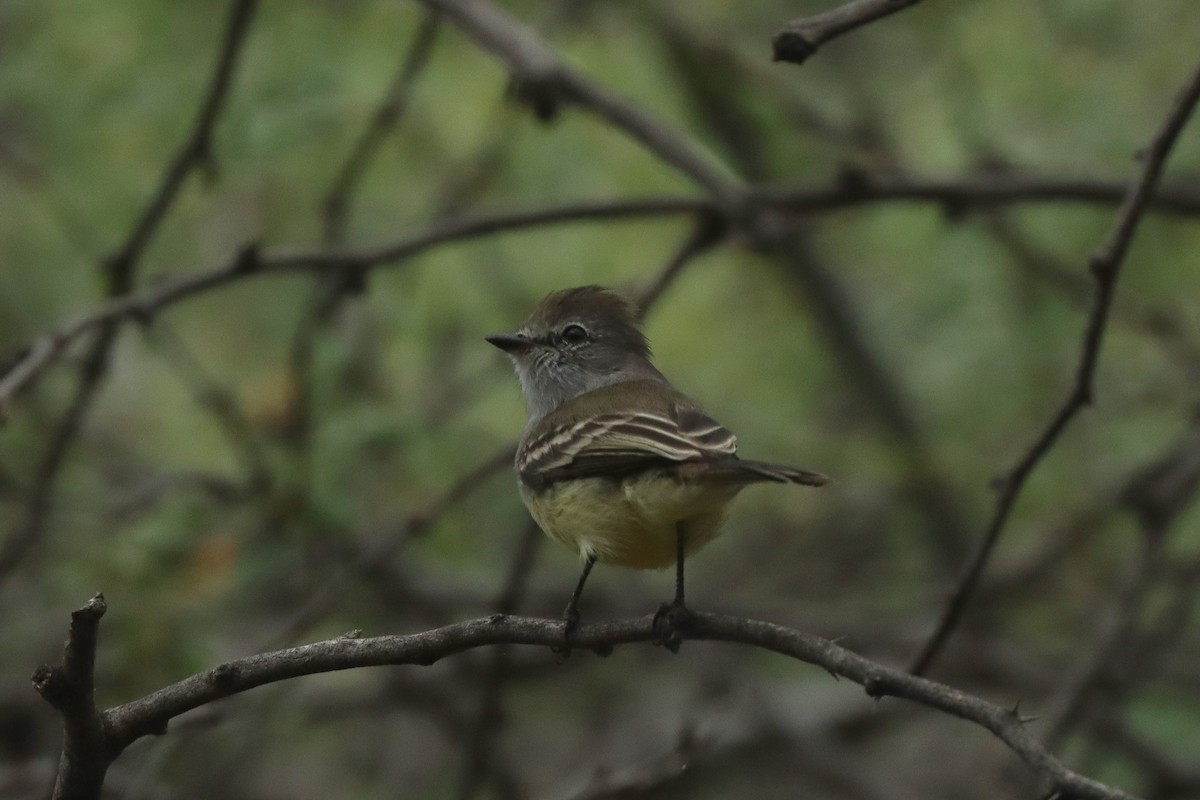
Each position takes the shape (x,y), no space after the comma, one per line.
(629,523)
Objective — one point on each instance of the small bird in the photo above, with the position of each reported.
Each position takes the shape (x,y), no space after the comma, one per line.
(615,462)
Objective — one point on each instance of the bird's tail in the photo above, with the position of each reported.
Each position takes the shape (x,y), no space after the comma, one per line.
(752,471)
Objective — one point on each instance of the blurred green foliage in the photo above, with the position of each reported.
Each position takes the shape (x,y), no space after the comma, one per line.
(94,99)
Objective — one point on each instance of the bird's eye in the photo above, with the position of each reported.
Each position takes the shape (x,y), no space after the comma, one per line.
(574,334)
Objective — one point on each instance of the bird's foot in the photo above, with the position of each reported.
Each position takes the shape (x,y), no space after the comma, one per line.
(570,623)
(671,622)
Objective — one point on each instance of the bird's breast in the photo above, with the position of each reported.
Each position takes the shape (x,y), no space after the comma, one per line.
(629,522)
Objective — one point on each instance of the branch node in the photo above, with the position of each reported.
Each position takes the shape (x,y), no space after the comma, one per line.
(792,46)
(117,265)
(711,227)
(354,634)
(249,259)
(874,687)
(52,685)
(852,179)
(223,677)
(544,93)
(142,314)
(954,209)
(68,687)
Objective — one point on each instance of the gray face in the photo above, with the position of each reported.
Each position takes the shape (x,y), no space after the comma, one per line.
(558,361)
(575,341)
(563,362)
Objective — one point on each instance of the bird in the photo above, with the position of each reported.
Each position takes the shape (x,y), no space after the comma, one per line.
(614,461)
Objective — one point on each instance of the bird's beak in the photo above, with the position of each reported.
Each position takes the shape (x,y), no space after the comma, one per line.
(511,343)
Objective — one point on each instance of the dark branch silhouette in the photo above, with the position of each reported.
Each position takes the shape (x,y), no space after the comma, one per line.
(1105,266)
(976,192)
(801,37)
(95,739)
(382,561)
(120,271)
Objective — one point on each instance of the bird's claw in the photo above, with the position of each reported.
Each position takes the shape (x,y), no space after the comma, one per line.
(671,621)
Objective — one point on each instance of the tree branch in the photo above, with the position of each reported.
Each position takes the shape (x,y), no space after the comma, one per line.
(120,269)
(126,723)
(801,37)
(70,689)
(860,190)
(331,289)
(545,83)
(366,146)
(1105,266)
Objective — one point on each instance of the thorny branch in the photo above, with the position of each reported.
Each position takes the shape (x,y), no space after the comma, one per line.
(122,725)
(1105,266)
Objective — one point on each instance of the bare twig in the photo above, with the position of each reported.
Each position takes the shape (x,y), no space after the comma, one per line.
(546,83)
(1157,492)
(1115,629)
(709,230)
(70,689)
(220,403)
(801,37)
(1166,777)
(861,190)
(124,724)
(331,289)
(827,301)
(366,147)
(120,268)
(1165,325)
(1105,265)
(197,150)
(855,187)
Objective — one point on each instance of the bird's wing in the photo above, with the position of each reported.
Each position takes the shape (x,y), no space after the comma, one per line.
(617,443)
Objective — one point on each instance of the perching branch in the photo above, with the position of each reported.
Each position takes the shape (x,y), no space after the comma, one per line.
(1105,266)
(122,725)
(801,37)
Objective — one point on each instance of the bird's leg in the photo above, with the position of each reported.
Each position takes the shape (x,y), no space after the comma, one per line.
(571,614)
(673,616)
(680,537)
